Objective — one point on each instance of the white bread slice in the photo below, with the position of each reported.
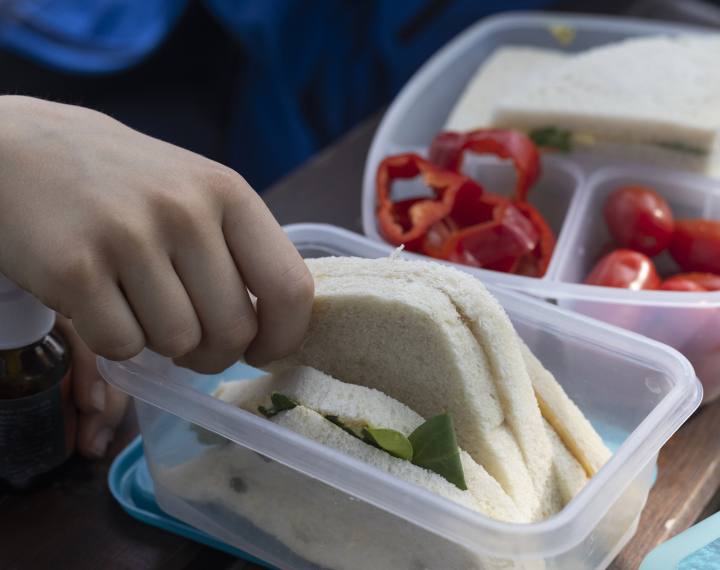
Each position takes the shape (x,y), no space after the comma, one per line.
(320,395)
(565,417)
(324,526)
(361,318)
(494,502)
(635,99)
(501,73)
(568,475)
(355,406)
(459,353)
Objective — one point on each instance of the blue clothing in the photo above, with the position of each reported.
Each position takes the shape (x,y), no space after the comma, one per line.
(310,70)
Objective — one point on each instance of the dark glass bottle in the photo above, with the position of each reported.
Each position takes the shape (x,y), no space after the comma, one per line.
(37,414)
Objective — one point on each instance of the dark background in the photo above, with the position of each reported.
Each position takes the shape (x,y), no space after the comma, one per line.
(183,92)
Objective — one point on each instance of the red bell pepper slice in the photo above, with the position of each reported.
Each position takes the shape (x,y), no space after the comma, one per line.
(470,208)
(536,262)
(406,222)
(496,243)
(447,150)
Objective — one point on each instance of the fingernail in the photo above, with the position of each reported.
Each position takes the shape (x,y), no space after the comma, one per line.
(97,395)
(101,441)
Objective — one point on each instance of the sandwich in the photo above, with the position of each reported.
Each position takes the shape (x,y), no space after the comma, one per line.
(352,419)
(395,349)
(503,73)
(649,99)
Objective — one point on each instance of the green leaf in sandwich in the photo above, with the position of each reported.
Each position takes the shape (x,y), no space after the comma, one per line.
(551,137)
(435,448)
(335,420)
(280,403)
(390,440)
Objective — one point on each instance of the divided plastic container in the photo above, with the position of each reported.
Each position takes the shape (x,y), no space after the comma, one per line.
(570,192)
(299,505)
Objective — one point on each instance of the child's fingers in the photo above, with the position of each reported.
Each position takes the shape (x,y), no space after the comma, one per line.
(100,406)
(274,272)
(96,431)
(219,297)
(89,387)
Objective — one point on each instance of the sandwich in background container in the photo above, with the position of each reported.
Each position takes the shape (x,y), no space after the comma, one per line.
(569,190)
(635,392)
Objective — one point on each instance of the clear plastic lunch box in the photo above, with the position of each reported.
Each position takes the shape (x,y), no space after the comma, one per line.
(570,192)
(351,516)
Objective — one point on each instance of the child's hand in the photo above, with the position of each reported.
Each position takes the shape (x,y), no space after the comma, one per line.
(142,243)
(100,406)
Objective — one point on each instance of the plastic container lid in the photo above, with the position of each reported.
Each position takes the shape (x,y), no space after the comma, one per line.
(23,318)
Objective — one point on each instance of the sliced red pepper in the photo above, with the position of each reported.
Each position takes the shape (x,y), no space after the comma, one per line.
(408,221)
(497,243)
(402,212)
(447,150)
(535,263)
(470,208)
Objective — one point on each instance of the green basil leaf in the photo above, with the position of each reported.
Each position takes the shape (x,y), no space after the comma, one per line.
(435,448)
(390,440)
(335,420)
(367,438)
(682,147)
(268,413)
(282,402)
(552,137)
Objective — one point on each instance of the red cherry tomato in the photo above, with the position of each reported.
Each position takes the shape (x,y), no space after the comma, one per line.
(696,245)
(680,284)
(708,281)
(626,269)
(639,219)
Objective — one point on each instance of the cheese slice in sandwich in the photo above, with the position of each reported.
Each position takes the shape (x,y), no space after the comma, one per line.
(434,339)
(649,99)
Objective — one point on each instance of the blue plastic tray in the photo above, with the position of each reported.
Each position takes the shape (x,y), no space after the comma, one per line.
(131,485)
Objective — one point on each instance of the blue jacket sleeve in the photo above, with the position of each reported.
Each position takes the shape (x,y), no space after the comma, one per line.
(310,69)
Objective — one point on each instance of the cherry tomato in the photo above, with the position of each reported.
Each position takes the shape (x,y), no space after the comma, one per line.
(696,245)
(680,284)
(709,281)
(626,269)
(639,219)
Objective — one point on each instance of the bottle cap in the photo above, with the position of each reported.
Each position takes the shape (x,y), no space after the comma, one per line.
(23,318)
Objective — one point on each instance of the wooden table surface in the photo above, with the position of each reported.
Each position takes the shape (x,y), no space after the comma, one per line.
(76,524)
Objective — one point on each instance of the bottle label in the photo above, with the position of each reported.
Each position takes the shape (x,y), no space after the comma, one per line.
(37,433)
